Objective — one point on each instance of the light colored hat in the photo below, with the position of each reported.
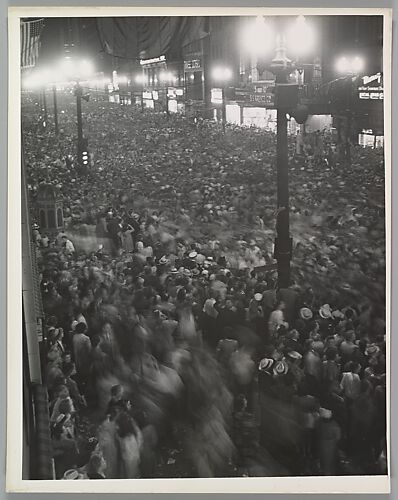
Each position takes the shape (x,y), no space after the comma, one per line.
(192,255)
(280,368)
(294,355)
(174,270)
(187,272)
(305,313)
(205,272)
(258,297)
(337,314)
(59,419)
(325,413)
(163,260)
(265,364)
(325,312)
(372,349)
(72,474)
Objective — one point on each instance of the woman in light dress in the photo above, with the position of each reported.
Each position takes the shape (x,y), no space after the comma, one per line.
(130,441)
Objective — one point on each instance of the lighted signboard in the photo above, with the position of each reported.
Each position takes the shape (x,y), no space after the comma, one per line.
(147,95)
(261,95)
(174,93)
(372,93)
(216,96)
(155,95)
(171,93)
(194,64)
(372,88)
(154,60)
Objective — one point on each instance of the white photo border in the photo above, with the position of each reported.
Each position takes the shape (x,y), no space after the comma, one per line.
(14,481)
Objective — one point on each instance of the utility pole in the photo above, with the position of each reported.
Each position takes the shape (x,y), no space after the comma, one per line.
(281,66)
(45,107)
(224,112)
(55,110)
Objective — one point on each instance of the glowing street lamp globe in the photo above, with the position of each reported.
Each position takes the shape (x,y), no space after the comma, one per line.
(300,37)
(222,74)
(258,37)
(350,65)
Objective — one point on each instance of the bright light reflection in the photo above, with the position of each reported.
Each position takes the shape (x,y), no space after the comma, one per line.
(353,65)
(342,65)
(220,73)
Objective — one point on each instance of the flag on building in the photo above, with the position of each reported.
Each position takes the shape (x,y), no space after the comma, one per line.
(30,42)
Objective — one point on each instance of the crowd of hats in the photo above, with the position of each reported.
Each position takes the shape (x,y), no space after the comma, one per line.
(203,208)
(208,186)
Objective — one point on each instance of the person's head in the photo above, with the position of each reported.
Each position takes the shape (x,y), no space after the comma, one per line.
(125,424)
(308,345)
(293,334)
(58,430)
(81,328)
(61,391)
(349,336)
(229,304)
(107,328)
(65,406)
(69,369)
(117,391)
(240,403)
(331,353)
(366,386)
(95,340)
(67,357)
(96,464)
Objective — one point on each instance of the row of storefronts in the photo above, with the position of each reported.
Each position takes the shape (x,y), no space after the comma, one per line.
(183,81)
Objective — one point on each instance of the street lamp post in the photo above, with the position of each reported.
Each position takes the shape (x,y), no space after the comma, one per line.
(300,39)
(79,93)
(351,67)
(222,75)
(281,66)
(224,109)
(45,106)
(55,109)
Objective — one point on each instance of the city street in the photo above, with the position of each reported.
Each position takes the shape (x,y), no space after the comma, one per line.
(210,292)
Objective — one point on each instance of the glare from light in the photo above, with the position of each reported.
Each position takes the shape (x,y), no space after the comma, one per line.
(258,37)
(350,65)
(166,76)
(221,73)
(300,37)
(66,68)
(40,78)
(358,64)
(122,79)
(140,78)
(343,65)
(85,68)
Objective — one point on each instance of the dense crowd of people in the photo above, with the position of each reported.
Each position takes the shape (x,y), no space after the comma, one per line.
(170,348)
